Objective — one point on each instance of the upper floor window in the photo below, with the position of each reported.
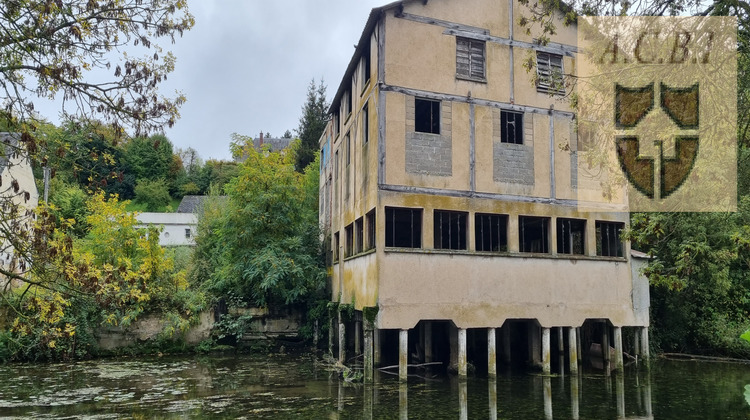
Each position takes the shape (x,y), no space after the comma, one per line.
(349,250)
(608,239)
(450,229)
(549,71)
(366,66)
(571,238)
(511,127)
(403,227)
(365,124)
(370,218)
(426,116)
(349,102)
(533,234)
(470,59)
(359,235)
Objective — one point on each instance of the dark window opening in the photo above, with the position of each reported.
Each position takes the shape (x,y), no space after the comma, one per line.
(571,236)
(348,149)
(608,239)
(335,247)
(470,58)
(370,218)
(366,59)
(359,235)
(403,227)
(335,124)
(426,116)
(336,165)
(349,250)
(348,102)
(549,73)
(534,234)
(491,232)
(188,233)
(365,124)
(511,127)
(450,229)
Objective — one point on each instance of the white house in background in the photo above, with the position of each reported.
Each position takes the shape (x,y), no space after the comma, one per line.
(17,186)
(179,229)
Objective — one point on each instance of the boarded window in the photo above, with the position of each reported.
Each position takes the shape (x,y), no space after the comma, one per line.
(349,250)
(403,227)
(426,116)
(470,59)
(511,127)
(450,229)
(608,239)
(571,236)
(533,233)
(549,73)
(359,235)
(370,220)
(491,232)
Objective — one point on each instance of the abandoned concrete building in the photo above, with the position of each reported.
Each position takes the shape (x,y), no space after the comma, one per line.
(451,208)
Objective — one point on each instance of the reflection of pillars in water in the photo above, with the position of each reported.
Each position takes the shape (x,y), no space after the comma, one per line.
(647,394)
(331,332)
(546,363)
(620,391)
(368,403)
(357,337)
(340,401)
(462,352)
(403,401)
(619,364)
(403,354)
(573,350)
(574,397)
(463,400)
(491,353)
(547,397)
(427,327)
(368,366)
(492,396)
(506,342)
(342,338)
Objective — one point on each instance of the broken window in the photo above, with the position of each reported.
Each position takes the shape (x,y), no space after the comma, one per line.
(533,234)
(403,227)
(426,116)
(450,229)
(511,127)
(549,72)
(349,250)
(335,247)
(571,237)
(608,239)
(470,59)
(359,235)
(491,232)
(370,218)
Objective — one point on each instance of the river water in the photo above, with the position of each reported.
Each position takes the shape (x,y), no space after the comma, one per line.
(299,386)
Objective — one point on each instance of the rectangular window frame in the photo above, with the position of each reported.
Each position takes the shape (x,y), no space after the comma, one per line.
(549,70)
(471,59)
(534,234)
(371,230)
(336,248)
(450,229)
(406,232)
(609,241)
(491,232)
(349,245)
(511,127)
(571,236)
(359,236)
(427,116)
(365,123)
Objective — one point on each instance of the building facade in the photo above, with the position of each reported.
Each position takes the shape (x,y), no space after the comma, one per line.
(451,197)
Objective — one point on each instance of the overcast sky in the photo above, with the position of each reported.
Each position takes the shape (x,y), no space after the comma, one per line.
(246,65)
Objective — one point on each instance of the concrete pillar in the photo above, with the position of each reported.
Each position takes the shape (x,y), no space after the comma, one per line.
(578,342)
(560,341)
(342,339)
(376,351)
(491,353)
(546,359)
(403,354)
(637,344)
(619,364)
(573,350)
(605,342)
(357,337)
(427,325)
(462,353)
(506,342)
(644,343)
(453,340)
(368,365)
(492,397)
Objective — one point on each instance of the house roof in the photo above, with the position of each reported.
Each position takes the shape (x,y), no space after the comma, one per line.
(7,139)
(194,203)
(275,144)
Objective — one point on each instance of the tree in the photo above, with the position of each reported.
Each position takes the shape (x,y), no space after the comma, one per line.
(150,157)
(311,124)
(153,193)
(287,134)
(51,48)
